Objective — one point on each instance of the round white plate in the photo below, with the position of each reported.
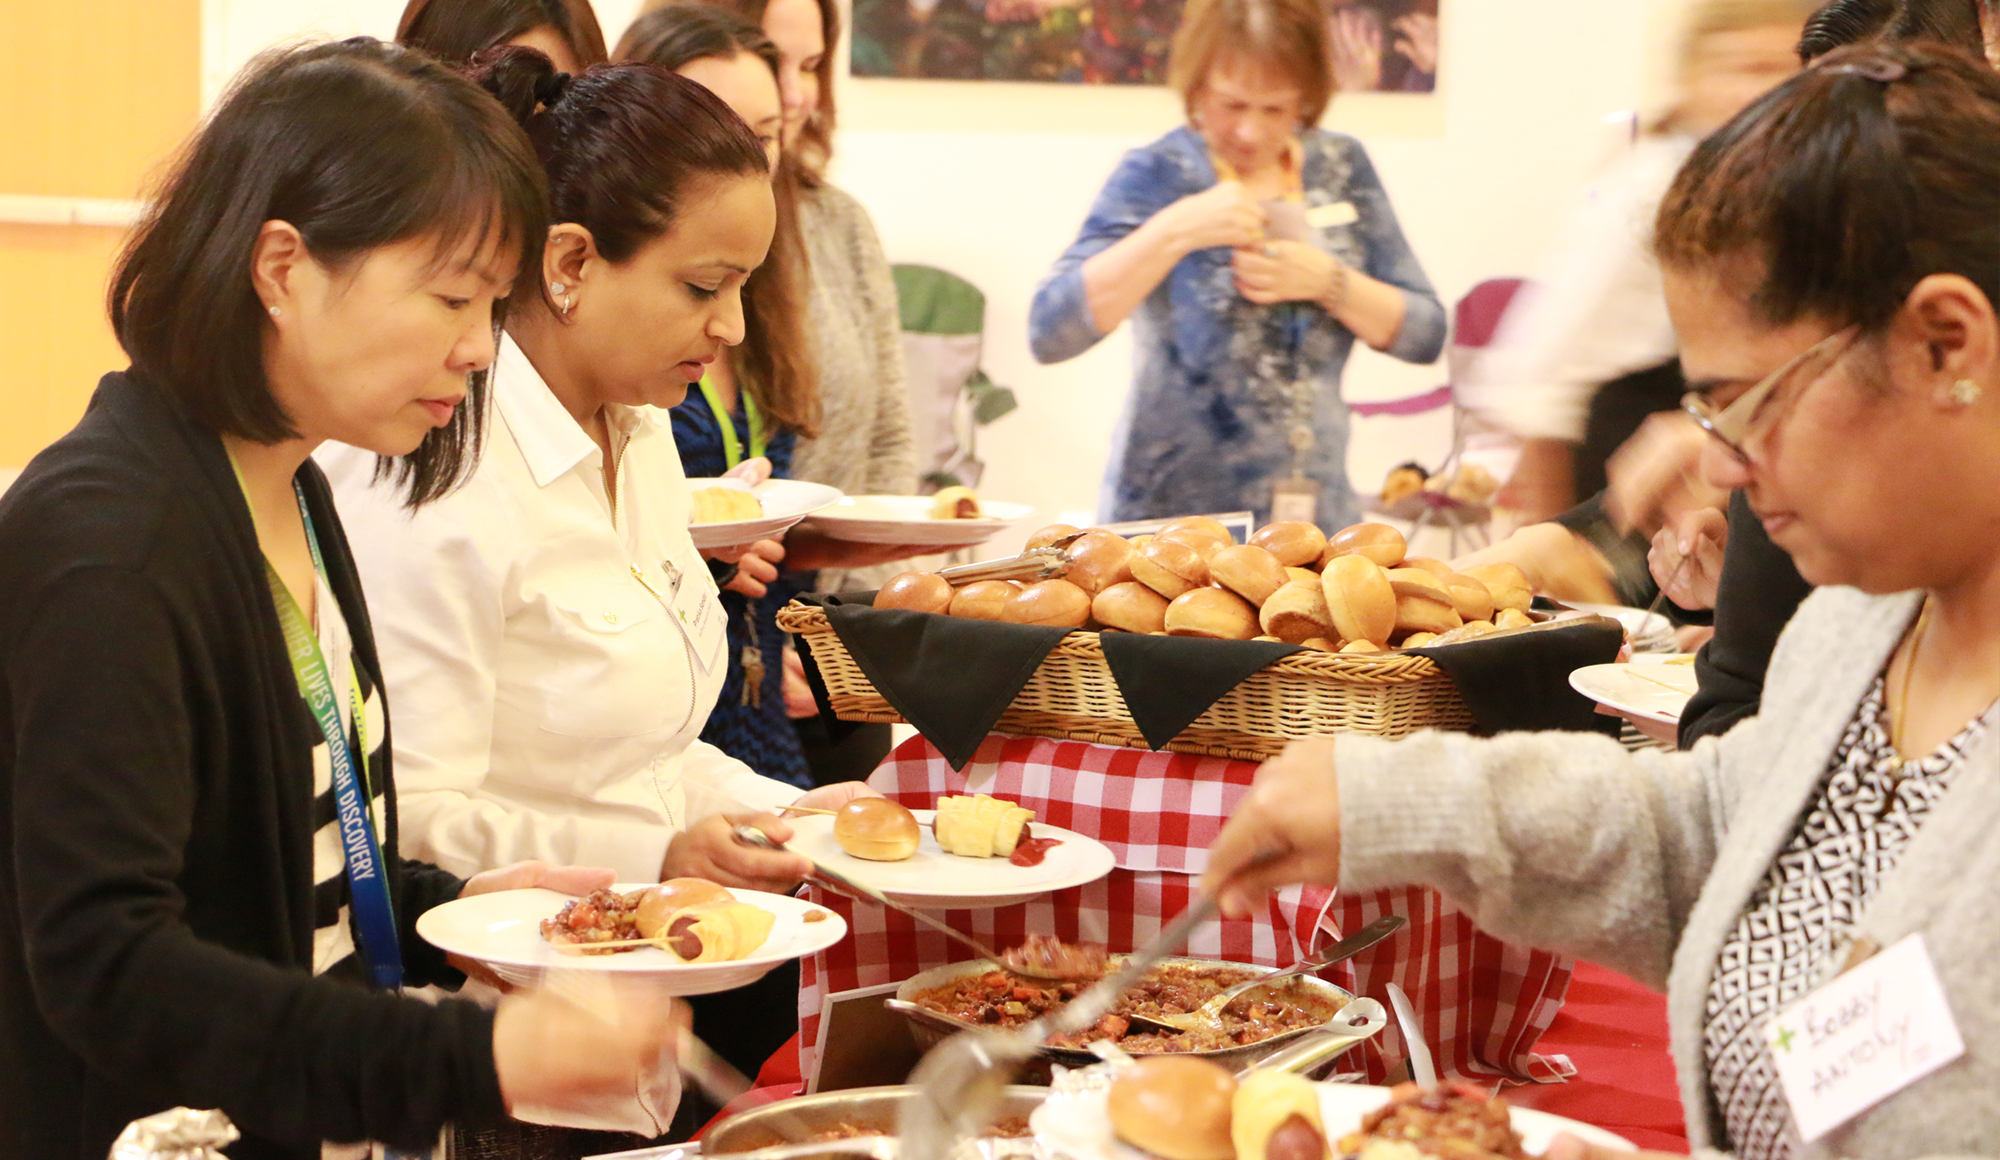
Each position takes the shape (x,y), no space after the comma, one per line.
(786,502)
(906,519)
(934,880)
(503,931)
(1652,691)
(1073,1122)
(1648,632)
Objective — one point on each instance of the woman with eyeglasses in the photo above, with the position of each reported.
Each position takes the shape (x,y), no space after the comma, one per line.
(1832,260)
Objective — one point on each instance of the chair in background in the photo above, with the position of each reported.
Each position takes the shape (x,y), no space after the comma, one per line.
(1475,321)
(951,397)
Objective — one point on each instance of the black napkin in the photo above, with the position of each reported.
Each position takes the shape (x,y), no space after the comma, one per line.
(950,677)
(1515,683)
(1168,681)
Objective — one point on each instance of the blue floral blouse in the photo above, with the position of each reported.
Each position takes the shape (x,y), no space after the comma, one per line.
(1205,424)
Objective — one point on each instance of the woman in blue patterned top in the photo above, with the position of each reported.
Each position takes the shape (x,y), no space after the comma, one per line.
(1251,249)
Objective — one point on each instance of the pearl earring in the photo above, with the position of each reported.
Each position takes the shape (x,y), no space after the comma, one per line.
(277,312)
(557,287)
(1965,392)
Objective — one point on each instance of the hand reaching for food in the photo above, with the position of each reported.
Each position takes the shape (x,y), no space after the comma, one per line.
(592,1053)
(1655,475)
(709,849)
(1686,557)
(1293,812)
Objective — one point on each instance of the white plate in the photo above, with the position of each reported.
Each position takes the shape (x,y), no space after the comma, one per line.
(503,931)
(1651,633)
(786,502)
(906,519)
(935,880)
(1648,691)
(1074,1123)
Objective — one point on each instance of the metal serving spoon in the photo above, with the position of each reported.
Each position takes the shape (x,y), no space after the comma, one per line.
(1210,1012)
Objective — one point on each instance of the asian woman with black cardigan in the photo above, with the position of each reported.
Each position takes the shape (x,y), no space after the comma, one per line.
(194,826)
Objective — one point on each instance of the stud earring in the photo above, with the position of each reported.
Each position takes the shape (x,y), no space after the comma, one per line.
(1965,392)
(277,312)
(557,287)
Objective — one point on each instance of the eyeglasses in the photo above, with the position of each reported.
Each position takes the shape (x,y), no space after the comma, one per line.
(1733,424)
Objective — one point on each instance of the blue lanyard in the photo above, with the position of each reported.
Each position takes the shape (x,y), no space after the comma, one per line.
(367,877)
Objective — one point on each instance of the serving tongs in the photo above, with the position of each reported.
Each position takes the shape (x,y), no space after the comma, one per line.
(750,835)
(1046,563)
(1209,1013)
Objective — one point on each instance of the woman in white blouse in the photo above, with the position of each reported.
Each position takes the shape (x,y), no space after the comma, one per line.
(549,632)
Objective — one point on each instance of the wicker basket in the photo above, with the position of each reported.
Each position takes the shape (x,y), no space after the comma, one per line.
(1072,696)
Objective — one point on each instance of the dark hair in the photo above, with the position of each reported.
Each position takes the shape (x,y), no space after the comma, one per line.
(773,362)
(1844,22)
(1842,189)
(808,156)
(455,31)
(357,144)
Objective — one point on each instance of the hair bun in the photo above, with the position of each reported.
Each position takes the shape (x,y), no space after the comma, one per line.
(549,89)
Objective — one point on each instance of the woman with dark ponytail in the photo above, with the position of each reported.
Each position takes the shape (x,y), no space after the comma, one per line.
(550,629)
(202,898)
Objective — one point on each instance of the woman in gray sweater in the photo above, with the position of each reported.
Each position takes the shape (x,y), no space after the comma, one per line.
(1832,263)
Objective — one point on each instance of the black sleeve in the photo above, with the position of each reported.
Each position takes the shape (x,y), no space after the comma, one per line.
(108,788)
(1631,576)
(424,886)
(1759,592)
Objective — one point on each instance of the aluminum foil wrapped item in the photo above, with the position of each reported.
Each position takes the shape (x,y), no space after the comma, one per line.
(179,1134)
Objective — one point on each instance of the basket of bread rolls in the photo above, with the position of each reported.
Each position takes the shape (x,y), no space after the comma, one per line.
(1354,602)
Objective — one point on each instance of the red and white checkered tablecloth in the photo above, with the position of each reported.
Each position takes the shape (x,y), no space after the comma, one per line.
(1483,1003)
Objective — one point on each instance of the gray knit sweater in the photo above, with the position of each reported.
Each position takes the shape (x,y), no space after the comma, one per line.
(864,445)
(1643,861)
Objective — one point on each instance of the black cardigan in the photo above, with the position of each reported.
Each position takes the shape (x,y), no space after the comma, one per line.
(155,833)
(1761,588)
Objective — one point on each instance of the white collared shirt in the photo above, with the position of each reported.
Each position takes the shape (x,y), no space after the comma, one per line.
(544,703)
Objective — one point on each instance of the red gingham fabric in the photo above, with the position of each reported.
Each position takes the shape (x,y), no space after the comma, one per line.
(1483,1003)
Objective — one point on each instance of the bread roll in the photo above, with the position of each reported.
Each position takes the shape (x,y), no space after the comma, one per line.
(1361,646)
(1305,574)
(1511,618)
(1378,542)
(1435,567)
(1275,1116)
(1321,644)
(1424,614)
(1294,542)
(1050,534)
(1056,603)
(1213,613)
(1130,606)
(1508,584)
(876,829)
(1169,567)
(1419,639)
(1472,598)
(1098,560)
(1359,598)
(1140,541)
(659,904)
(1470,630)
(1250,572)
(1417,582)
(1297,612)
(1203,543)
(916,592)
(1206,525)
(984,599)
(955,503)
(1175,1107)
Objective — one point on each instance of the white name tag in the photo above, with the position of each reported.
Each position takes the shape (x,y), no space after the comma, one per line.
(692,599)
(1863,1037)
(1326,217)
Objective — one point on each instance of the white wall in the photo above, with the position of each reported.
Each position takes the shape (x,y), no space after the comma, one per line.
(992,180)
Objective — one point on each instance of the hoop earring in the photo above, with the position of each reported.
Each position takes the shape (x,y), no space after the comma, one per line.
(1965,392)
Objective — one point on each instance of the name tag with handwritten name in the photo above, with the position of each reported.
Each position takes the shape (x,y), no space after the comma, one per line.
(1326,217)
(1865,1036)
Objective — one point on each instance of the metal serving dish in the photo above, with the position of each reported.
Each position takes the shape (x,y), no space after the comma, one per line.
(798,1120)
(930,1027)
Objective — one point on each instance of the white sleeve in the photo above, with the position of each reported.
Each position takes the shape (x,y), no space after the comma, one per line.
(1595,312)
(434,585)
(716,783)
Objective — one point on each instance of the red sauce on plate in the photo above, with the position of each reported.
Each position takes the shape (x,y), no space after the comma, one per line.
(1030,850)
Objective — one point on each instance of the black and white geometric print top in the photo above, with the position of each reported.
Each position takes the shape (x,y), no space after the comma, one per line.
(1794,930)
(333,924)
